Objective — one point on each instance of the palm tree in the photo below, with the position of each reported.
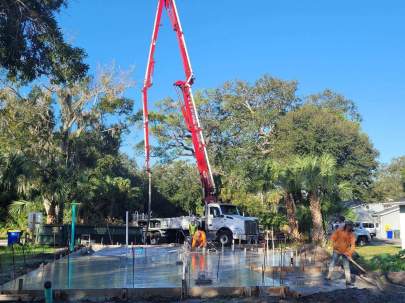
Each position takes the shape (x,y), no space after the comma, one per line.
(288,178)
(16,174)
(318,177)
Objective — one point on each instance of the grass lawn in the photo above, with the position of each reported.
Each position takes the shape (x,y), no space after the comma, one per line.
(382,258)
(369,251)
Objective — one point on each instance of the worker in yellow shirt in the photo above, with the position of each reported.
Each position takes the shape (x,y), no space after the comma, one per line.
(343,241)
(199,239)
(192,227)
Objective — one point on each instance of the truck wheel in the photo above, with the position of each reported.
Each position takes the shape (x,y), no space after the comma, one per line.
(225,237)
(155,238)
(362,241)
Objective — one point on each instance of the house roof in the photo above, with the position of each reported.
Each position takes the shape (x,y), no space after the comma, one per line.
(356,204)
(387,211)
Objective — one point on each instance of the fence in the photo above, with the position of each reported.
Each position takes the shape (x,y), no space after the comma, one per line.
(108,234)
(19,259)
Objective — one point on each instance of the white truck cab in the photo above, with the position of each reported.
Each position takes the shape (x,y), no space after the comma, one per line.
(226,223)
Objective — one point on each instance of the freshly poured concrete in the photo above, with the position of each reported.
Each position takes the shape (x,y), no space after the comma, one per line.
(165,267)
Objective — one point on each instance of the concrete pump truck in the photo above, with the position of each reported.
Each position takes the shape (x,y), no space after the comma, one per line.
(222,222)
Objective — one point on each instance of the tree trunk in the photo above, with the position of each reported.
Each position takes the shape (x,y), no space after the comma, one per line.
(60,210)
(318,233)
(50,210)
(291,216)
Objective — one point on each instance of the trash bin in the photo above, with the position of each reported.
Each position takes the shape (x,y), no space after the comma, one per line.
(397,234)
(389,234)
(13,237)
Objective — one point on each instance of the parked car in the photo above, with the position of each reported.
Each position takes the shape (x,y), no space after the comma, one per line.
(371,227)
(362,236)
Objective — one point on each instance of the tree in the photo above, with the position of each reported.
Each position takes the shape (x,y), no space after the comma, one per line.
(390,181)
(314,130)
(403,179)
(26,122)
(86,109)
(288,176)
(179,183)
(17,180)
(318,179)
(236,118)
(32,44)
(336,102)
(92,115)
(107,190)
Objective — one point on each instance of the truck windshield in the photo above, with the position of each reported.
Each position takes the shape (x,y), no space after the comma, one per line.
(229,210)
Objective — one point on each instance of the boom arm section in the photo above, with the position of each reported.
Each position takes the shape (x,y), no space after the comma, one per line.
(188,107)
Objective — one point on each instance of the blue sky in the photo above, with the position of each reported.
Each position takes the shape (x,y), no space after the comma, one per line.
(356,48)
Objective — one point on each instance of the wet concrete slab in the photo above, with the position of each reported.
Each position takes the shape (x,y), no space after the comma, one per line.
(171,266)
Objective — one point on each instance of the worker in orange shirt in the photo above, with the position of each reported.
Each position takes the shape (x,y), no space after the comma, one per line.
(343,241)
(199,239)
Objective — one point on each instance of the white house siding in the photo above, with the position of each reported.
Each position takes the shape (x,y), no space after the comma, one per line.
(402,219)
(390,219)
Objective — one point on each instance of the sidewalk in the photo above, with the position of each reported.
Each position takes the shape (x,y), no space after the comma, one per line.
(380,241)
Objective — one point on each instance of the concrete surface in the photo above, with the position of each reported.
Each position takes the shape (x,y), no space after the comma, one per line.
(169,267)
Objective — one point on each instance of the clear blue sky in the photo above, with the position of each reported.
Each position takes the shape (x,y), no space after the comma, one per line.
(356,48)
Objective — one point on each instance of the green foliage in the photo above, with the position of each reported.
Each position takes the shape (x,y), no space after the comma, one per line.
(179,182)
(32,44)
(403,179)
(271,220)
(107,191)
(387,262)
(55,158)
(16,181)
(18,212)
(390,181)
(265,144)
(336,102)
(318,173)
(314,130)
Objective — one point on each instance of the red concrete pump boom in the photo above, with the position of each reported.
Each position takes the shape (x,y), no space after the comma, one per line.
(188,107)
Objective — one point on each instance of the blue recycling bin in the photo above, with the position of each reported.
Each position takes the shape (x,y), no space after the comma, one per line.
(389,234)
(13,237)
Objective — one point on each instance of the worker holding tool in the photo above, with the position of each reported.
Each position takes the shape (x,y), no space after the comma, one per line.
(343,241)
(199,239)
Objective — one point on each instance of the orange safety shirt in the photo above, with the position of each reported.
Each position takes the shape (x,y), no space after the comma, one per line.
(199,239)
(343,242)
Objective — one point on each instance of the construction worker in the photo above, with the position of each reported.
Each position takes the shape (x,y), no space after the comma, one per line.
(339,223)
(199,239)
(201,262)
(192,227)
(343,241)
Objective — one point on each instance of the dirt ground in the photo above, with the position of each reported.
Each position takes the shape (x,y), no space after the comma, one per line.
(351,295)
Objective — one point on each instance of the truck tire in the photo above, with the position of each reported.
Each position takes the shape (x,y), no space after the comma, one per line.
(155,239)
(225,237)
(362,240)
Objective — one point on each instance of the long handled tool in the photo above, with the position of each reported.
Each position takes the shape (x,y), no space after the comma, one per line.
(371,280)
(357,265)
